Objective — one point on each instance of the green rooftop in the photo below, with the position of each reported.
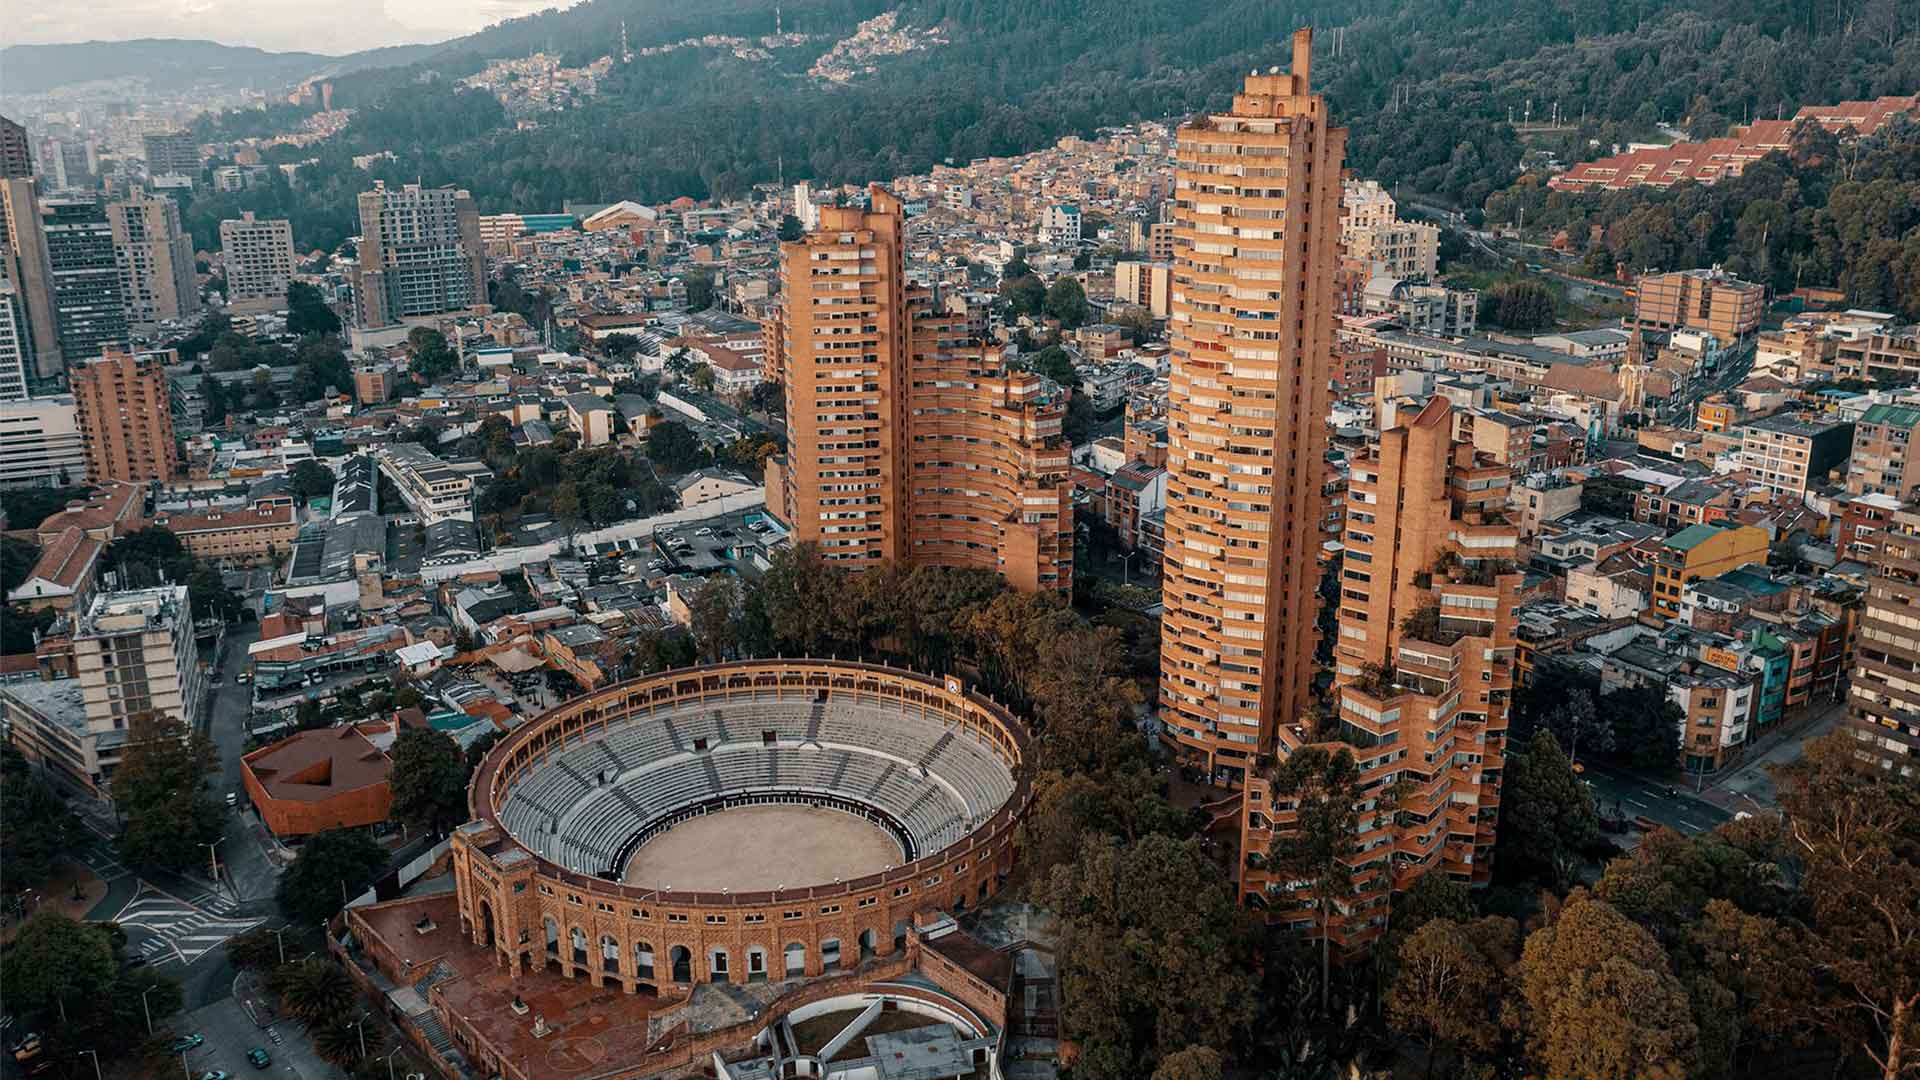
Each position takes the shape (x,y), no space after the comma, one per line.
(1692,537)
(1900,416)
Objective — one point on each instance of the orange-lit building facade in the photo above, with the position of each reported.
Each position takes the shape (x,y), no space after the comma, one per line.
(1256,242)
(125,416)
(908,439)
(1424,668)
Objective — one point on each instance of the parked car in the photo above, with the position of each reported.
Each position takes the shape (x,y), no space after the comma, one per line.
(28,1046)
(186,1042)
(216,1074)
(258,1058)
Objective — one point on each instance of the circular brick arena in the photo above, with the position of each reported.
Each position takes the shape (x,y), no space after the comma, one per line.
(744,821)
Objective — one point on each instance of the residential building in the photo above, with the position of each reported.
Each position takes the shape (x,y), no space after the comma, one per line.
(1160,242)
(1717,694)
(133,653)
(1060,226)
(908,440)
(89,303)
(1424,659)
(1701,551)
(1374,236)
(434,489)
(171,153)
(1883,705)
(155,256)
(1147,284)
(1878,463)
(125,414)
(1708,300)
(1543,497)
(1421,308)
(258,257)
(420,254)
(16,152)
(1247,402)
(40,443)
(1790,454)
(24,266)
(591,417)
(1135,490)
(373,385)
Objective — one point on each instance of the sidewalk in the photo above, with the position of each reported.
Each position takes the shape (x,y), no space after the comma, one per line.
(1748,783)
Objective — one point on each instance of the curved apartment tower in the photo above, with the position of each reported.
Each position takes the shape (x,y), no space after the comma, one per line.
(908,440)
(1256,244)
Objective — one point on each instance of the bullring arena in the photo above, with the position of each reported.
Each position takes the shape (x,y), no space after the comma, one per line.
(810,825)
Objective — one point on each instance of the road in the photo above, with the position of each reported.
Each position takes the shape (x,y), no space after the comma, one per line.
(1617,794)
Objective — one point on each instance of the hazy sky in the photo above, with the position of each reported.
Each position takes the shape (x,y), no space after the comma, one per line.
(328,26)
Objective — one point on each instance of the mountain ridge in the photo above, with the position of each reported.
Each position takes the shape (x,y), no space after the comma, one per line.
(180,63)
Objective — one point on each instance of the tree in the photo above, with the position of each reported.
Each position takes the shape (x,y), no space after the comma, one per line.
(716,611)
(160,789)
(256,950)
(429,780)
(1153,956)
(332,867)
(17,557)
(1067,301)
(1522,305)
(1854,831)
(1601,1000)
(1546,816)
(1575,719)
(310,478)
(342,1038)
(430,354)
(315,991)
(54,959)
(1644,727)
(790,228)
(1446,990)
(35,821)
(1192,1063)
(1025,295)
(700,291)
(1055,363)
(307,313)
(1318,847)
(675,448)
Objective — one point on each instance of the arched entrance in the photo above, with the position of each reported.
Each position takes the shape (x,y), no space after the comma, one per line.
(899,937)
(486,925)
(553,943)
(796,960)
(609,954)
(830,954)
(869,943)
(682,964)
(756,964)
(578,939)
(642,960)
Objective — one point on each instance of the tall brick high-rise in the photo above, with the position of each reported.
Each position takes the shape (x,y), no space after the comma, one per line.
(126,416)
(1256,242)
(16,151)
(1882,700)
(1423,670)
(908,441)
(24,264)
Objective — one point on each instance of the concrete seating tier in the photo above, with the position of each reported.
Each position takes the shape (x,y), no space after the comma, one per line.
(581,806)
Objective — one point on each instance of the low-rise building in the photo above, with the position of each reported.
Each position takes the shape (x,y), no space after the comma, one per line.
(326,778)
(1789,453)
(62,578)
(432,488)
(260,533)
(1701,551)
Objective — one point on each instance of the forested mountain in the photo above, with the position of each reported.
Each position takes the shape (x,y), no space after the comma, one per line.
(170,64)
(1425,85)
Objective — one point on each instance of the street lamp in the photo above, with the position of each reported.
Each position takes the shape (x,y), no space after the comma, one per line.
(360,1027)
(390,1054)
(214,854)
(145,1009)
(280,939)
(96,1063)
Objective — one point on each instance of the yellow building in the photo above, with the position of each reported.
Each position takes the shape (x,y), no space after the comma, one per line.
(1699,551)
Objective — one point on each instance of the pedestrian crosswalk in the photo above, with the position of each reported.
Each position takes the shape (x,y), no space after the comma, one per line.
(101,859)
(178,931)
